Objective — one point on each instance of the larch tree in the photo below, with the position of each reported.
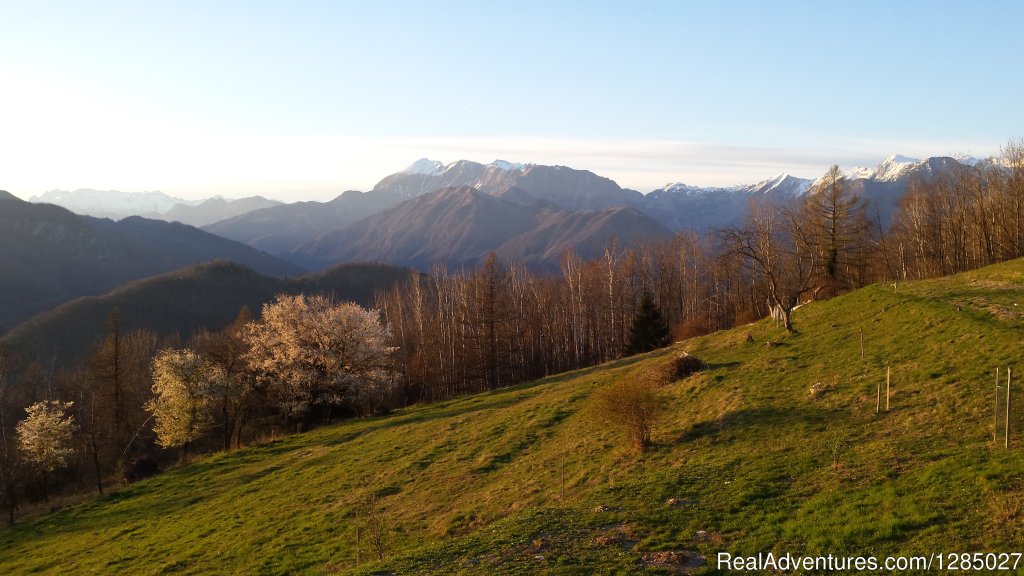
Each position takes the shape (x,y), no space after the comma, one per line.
(184,385)
(236,397)
(317,353)
(831,225)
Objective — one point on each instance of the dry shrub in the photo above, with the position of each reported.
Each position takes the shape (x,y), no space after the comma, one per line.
(746,316)
(685,365)
(634,405)
(690,328)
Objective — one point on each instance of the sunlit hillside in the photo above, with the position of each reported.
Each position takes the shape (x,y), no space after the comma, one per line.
(777,446)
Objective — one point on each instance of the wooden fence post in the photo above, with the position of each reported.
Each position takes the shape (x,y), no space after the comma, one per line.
(995,411)
(562,473)
(888,371)
(1009,383)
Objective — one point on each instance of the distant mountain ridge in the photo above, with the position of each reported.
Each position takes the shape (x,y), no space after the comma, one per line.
(154,205)
(48,255)
(460,226)
(214,210)
(304,232)
(567,187)
(281,229)
(182,301)
(110,203)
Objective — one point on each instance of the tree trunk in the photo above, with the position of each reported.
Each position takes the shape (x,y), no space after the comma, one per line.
(94,449)
(12,504)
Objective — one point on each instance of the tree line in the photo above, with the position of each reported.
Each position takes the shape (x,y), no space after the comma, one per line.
(139,400)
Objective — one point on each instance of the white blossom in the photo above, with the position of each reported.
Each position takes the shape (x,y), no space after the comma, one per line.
(319,352)
(44,437)
(183,384)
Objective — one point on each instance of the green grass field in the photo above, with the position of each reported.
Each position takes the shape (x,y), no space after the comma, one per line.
(753,460)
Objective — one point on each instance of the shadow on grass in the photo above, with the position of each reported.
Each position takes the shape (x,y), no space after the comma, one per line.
(491,400)
(750,418)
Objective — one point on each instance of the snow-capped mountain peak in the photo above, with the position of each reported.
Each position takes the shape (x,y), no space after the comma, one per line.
(112,203)
(900,159)
(967,159)
(424,166)
(782,185)
(893,168)
(504,165)
(858,173)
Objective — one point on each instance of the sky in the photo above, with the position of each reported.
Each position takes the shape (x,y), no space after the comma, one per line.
(302,100)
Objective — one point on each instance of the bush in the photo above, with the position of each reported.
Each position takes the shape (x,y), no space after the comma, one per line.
(691,328)
(634,405)
(686,365)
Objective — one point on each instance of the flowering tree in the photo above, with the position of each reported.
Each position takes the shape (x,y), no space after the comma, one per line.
(44,437)
(183,385)
(319,353)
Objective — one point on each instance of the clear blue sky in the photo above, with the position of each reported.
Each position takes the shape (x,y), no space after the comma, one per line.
(307,99)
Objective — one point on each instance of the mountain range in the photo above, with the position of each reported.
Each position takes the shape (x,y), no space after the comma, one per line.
(460,226)
(153,205)
(49,255)
(454,214)
(398,221)
(428,214)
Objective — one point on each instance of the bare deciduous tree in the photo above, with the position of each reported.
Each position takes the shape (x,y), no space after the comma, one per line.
(766,244)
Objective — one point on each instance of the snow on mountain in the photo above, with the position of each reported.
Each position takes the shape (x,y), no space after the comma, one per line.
(889,170)
(893,168)
(858,173)
(503,165)
(967,159)
(782,185)
(111,203)
(424,166)
(689,190)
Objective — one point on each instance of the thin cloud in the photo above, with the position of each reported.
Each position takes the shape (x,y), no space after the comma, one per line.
(194,163)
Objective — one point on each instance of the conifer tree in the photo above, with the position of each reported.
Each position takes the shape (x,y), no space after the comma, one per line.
(649,331)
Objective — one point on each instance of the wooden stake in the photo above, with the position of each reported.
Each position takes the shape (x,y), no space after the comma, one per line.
(563,477)
(1009,381)
(861,343)
(995,412)
(888,371)
(878,398)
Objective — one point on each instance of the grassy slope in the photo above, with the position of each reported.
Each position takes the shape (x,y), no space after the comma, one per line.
(473,485)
